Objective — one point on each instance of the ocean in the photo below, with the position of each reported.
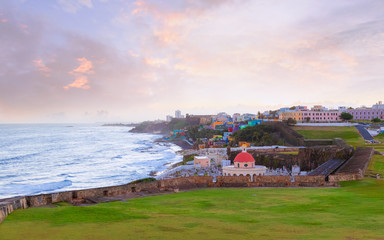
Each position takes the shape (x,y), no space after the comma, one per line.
(45,158)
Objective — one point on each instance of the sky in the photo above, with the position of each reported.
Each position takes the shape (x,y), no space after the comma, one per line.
(129,61)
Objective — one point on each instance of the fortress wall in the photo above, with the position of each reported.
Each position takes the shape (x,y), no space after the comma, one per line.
(232,181)
(9,205)
(345,177)
(79,196)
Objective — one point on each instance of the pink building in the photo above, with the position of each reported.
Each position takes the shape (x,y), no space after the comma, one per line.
(203,161)
(321,116)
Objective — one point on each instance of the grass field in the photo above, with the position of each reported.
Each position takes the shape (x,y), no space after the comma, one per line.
(349,134)
(380,137)
(354,211)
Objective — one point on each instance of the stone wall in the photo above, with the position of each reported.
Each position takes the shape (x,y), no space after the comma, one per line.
(274,181)
(312,157)
(80,196)
(317,142)
(355,167)
(9,205)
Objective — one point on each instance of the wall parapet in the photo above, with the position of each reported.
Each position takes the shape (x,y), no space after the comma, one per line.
(81,196)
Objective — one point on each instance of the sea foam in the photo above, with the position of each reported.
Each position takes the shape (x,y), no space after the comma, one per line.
(43,158)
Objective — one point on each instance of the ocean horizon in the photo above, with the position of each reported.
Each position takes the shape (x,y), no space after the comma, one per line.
(46,158)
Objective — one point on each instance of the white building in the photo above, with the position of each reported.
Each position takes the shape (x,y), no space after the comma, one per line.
(178,114)
(169,118)
(244,165)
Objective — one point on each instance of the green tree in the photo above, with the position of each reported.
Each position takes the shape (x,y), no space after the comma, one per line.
(346,116)
(291,121)
(376,120)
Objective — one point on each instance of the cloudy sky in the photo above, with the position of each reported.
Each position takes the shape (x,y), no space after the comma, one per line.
(111,60)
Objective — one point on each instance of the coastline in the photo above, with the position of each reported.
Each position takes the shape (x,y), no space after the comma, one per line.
(184,148)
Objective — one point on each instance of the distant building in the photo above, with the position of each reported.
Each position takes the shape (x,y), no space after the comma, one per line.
(321,116)
(203,161)
(178,114)
(236,117)
(198,119)
(317,108)
(296,115)
(367,113)
(342,109)
(378,105)
(169,118)
(301,108)
(248,117)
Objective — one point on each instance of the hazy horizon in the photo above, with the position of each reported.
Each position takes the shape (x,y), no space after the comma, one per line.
(128,61)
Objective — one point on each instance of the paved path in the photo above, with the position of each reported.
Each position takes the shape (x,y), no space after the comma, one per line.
(364,133)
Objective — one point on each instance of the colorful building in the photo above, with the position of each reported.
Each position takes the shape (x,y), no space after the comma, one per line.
(216,124)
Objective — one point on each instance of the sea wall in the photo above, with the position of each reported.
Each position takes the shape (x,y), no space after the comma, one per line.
(90,195)
(9,205)
(353,169)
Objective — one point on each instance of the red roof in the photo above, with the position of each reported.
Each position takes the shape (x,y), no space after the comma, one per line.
(244,157)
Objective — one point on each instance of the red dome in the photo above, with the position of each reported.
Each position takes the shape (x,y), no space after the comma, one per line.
(244,157)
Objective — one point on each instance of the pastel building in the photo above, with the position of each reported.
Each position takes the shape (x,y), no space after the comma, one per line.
(321,116)
(203,161)
(296,115)
(364,113)
(244,165)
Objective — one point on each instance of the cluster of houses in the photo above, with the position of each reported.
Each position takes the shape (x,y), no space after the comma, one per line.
(317,113)
(321,114)
(228,124)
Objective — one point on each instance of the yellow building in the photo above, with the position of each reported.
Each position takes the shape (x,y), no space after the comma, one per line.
(297,115)
(245,144)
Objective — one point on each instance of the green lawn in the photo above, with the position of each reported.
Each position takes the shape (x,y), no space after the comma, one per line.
(349,134)
(380,137)
(354,211)
(378,164)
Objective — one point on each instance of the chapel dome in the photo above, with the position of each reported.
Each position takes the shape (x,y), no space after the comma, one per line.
(244,157)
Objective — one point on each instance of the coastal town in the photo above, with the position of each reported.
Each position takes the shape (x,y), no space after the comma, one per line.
(192,119)
(210,141)
(226,125)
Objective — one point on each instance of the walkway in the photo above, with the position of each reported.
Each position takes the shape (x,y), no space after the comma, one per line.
(327,167)
(364,133)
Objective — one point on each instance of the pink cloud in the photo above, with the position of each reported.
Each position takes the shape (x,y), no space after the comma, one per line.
(80,82)
(156,62)
(81,73)
(41,67)
(4,20)
(85,66)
